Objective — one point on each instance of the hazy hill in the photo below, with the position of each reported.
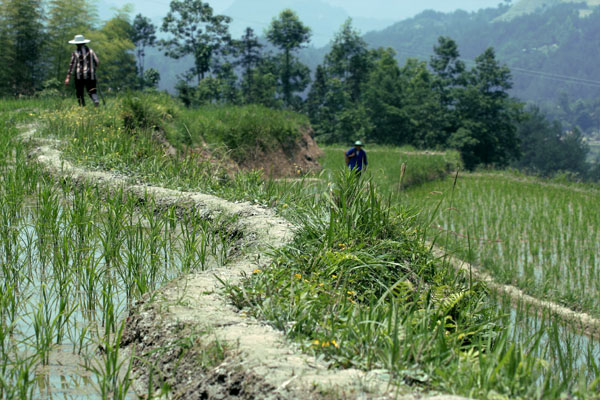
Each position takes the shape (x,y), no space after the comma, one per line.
(524,7)
(551,51)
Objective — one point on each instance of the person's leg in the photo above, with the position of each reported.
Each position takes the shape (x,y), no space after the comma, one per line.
(79,85)
(92,90)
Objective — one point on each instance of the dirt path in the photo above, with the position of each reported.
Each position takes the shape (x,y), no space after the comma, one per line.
(175,328)
(583,322)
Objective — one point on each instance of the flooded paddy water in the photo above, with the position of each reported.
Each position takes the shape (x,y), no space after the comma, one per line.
(72,263)
(74,259)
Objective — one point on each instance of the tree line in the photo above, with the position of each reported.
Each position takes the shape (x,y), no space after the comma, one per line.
(356,93)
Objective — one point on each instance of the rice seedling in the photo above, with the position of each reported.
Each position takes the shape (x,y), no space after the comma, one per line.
(538,236)
(73,258)
(395,169)
(357,286)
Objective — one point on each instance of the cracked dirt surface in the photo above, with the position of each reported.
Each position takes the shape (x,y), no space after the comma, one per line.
(177,328)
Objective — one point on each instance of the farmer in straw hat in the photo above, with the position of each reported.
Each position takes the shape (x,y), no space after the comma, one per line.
(356,158)
(84,61)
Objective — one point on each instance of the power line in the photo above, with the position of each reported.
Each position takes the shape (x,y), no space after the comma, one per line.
(521,71)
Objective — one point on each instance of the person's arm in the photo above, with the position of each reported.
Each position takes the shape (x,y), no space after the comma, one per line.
(348,155)
(73,60)
(95,57)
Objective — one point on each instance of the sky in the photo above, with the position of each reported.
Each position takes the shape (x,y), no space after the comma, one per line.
(259,13)
(381,9)
(384,8)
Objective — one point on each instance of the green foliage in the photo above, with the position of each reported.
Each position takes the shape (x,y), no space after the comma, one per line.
(243,130)
(218,89)
(383,98)
(67,18)
(248,51)
(289,34)
(259,86)
(487,133)
(349,60)
(144,35)
(448,107)
(547,149)
(197,32)
(112,43)
(21,35)
(151,78)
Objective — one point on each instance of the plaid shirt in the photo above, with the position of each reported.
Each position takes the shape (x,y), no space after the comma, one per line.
(84,60)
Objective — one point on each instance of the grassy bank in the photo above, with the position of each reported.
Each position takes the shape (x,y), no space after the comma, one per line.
(358,285)
(73,258)
(394,169)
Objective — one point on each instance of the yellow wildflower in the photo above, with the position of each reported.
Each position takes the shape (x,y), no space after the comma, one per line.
(333,342)
(256,271)
(298,276)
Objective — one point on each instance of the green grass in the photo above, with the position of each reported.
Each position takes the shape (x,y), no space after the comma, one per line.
(242,130)
(538,236)
(357,286)
(74,258)
(386,164)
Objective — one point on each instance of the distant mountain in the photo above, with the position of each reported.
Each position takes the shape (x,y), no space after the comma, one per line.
(524,7)
(551,50)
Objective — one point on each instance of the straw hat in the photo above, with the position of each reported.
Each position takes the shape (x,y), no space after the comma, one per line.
(79,39)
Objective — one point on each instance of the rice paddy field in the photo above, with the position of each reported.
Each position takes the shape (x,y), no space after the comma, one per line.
(541,237)
(74,258)
(358,285)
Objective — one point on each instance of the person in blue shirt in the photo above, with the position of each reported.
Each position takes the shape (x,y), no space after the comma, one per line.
(356,157)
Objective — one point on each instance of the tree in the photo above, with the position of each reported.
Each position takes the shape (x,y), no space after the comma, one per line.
(384,99)
(349,60)
(487,116)
(115,49)
(6,55)
(197,32)
(249,53)
(288,33)
(315,102)
(66,18)
(449,80)
(22,34)
(260,85)
(144,35)
(547,148)
(421,105)
(151,78)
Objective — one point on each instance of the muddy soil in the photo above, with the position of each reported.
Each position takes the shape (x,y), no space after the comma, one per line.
(189,338)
